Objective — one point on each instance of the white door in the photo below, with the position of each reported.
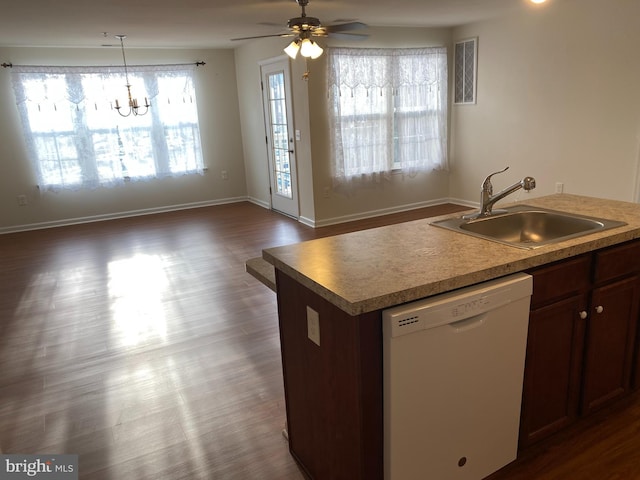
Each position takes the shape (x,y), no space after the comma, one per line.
(278,116)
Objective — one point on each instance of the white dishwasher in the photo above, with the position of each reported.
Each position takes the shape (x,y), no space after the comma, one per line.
(453,372)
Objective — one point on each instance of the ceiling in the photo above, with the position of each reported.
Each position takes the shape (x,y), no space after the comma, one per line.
(212,23)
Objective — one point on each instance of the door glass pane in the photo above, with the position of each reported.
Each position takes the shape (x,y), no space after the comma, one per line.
(279,134)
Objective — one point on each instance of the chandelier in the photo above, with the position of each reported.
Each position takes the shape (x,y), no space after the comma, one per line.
(134,107)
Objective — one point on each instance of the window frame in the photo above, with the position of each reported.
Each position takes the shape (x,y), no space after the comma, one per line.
(394,113)
(146,143)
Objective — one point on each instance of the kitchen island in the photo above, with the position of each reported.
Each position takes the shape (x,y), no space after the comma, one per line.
(331,292)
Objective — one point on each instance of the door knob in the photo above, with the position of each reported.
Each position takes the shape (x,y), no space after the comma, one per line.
(599,309)
(583,314)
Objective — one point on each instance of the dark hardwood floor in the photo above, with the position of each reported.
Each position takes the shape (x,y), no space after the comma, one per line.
(143,346)
(603,446)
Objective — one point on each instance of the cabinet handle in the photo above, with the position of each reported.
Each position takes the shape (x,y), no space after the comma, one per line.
(599,309)
(583,315)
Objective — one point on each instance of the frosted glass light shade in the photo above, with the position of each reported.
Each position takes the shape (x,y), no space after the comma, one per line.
(306,47)
(292,49)
(309,48)
(316,51)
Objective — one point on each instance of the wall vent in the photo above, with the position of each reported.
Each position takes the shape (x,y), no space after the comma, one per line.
(465,71)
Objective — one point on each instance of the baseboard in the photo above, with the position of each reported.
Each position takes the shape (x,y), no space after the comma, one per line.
(307,221)
(210,203)
(114,216)
(384,211)
(260,203)
(464,203)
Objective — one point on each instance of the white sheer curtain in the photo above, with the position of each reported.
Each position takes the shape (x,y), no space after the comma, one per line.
(76,139)
(388,110)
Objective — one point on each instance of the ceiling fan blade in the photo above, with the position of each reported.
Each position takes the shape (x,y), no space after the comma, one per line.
(264,36)
(343,27)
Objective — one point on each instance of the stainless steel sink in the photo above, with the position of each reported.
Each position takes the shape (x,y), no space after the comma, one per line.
(529,227)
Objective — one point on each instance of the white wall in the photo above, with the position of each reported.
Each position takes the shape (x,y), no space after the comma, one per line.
(220,131)
(557,99)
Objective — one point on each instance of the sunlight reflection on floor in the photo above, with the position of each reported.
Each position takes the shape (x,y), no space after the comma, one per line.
(136,287)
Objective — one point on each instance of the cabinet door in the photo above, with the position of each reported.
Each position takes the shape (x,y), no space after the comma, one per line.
(551,392)
(610,341)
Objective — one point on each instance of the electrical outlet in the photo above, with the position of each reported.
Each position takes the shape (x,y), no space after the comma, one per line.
(313,326)
(559,187)
(22,200)
(326,192)
(224,175)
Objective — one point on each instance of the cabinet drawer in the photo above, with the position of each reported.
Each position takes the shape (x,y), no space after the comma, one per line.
(561,279)
(617,261)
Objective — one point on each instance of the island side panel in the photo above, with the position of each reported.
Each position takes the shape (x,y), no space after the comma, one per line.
(333,392)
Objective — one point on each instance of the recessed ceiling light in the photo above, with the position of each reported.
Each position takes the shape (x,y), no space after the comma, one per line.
(538,1)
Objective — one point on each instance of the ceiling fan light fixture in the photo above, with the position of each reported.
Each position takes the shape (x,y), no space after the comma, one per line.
(309,48)
(293,48)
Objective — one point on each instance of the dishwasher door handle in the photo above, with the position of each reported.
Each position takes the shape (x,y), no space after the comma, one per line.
(469,323)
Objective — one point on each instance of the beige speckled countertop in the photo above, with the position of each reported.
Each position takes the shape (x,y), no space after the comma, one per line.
(374,269)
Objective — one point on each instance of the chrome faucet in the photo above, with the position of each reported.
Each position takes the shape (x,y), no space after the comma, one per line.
(488,199)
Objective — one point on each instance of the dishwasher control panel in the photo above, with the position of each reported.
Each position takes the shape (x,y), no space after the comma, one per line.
(456,306)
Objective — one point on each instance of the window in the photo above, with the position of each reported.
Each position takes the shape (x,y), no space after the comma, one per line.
(388,110)
(76,139)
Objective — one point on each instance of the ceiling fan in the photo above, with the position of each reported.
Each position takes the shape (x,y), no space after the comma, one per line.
(304,28)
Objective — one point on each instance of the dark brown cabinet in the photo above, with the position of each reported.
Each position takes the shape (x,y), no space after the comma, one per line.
(609,345)
(612,324)
(582,338)
(552,381)
(553,367)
